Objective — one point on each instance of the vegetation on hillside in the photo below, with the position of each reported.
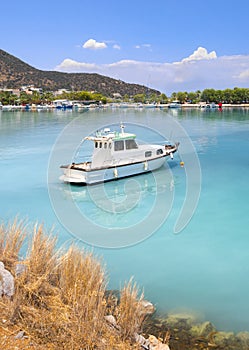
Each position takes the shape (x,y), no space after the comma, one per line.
(15,73)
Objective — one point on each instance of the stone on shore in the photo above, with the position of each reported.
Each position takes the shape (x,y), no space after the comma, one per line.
(202,329)
(181,320)
(111,320)
(244,339)
(7,284)
(156,344)
(147,307)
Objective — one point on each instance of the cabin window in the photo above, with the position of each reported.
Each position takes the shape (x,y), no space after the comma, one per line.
(130,144)
(159,151)
(119,145)
(105,145)
(96,144)
(148,154)
(110,145)
(100,145)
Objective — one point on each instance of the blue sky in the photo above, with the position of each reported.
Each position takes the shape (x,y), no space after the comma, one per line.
(166,45)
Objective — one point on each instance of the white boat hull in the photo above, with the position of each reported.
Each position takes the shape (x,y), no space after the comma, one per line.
(78,176)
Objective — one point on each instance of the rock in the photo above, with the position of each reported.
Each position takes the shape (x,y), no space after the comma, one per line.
(142,341)
(147,307)
(111,320)
(7,284)
(243,337)
(202,329)
(224,338)
(156,344)
(20,269)
(181,321)
(19,335)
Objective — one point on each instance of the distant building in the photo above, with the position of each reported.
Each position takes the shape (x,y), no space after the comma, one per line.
(117,95)
(61,91)
(29,89)
(12,91)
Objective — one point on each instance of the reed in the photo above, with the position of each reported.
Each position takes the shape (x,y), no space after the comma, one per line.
(11,240)
(60,300)
(130,313)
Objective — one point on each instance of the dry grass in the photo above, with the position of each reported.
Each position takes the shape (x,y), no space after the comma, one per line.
(11,241)
(60,299)
(130,313)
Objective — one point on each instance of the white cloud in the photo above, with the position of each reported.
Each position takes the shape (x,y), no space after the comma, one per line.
(69,65)
(200,54)
(148,46)
(94,45)
(124,63)
(187,75)
(244,75)
(116,47)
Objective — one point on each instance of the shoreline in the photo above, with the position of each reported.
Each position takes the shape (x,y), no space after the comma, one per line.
(186,333)
(225,105)
(116,105)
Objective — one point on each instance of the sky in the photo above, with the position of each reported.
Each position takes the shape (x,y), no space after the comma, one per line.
(166,45)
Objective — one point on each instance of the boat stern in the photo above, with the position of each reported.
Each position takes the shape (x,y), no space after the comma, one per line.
(71,175)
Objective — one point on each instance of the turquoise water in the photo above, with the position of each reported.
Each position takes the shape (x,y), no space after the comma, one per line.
(202,269)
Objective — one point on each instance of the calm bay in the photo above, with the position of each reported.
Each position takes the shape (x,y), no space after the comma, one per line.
(202,269)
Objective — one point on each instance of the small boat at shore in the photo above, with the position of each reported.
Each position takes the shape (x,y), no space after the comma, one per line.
(175,104)
(208,106)
(117,155)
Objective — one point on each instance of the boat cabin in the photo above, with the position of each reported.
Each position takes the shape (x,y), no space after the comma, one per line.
(115,148)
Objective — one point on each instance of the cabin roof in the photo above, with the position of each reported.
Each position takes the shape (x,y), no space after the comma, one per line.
(124,136)
(115,136)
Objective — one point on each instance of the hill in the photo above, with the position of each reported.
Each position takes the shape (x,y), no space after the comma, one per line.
(15,73)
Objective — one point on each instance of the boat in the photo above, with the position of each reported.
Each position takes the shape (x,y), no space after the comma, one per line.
(174,104)
(116,155)
(208,106)
(63,104)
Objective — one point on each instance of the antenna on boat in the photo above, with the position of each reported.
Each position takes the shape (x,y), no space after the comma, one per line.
(122,128)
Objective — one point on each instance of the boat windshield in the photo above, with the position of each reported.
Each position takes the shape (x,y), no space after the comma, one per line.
(130,144)
(119,145)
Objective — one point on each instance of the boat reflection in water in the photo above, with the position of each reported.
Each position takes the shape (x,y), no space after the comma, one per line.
(125,202)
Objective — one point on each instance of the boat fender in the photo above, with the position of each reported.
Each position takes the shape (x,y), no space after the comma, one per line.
(171,156)
(145,165)
(115,173)
(182,164)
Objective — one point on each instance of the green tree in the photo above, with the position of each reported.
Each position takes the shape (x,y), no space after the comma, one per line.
(208,95)
(139,98)
(240,95)
(173,96)
(193,97)
(181,96)
(227,96)
(47,97)
(25,98)
(35,97)
(7,98)
(126,98)
(163,99)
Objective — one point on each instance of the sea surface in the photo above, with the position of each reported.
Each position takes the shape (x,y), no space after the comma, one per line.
(182,232)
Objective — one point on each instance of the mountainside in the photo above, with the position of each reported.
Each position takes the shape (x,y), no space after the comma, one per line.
(15,73)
